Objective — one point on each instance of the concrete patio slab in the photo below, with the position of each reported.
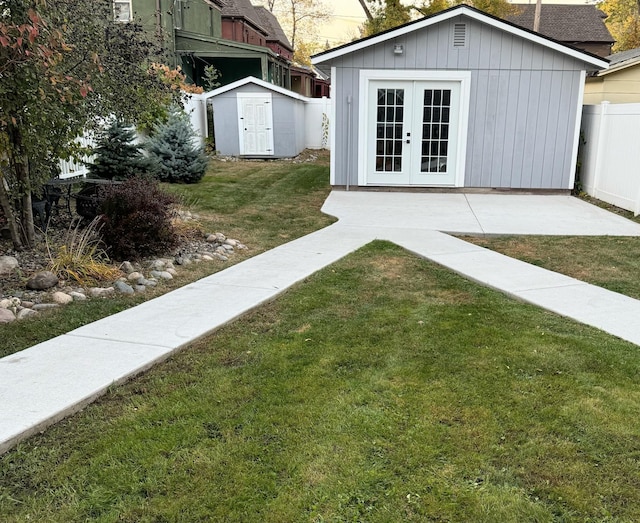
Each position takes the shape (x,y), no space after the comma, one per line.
(472,213)
(44,383)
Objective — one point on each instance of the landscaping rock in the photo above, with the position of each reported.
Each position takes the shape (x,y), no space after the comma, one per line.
(123,288)
(42,281)
(61,298)
(127,267)
(231,242)
(139,288)
(45,306)
(220,257)
(173,272)
(164,275)
(134,276)
(99,292)
(6,316)
(78,296)
(26,313)
(6,303)
(8,264)
(157,265)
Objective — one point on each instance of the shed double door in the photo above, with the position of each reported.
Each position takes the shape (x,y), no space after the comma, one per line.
(255,112)
(412,130)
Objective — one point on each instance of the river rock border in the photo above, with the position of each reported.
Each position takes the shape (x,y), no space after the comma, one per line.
(48,292)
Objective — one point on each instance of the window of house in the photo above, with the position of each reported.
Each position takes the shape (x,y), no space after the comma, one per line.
(122,10)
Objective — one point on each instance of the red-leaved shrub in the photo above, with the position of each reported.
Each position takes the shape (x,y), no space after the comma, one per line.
(136,219)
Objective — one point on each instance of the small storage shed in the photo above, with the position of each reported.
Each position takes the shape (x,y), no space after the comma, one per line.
(456,99)
(252,118)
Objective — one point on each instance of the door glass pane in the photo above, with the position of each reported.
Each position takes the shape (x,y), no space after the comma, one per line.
(390,111)
(435,130)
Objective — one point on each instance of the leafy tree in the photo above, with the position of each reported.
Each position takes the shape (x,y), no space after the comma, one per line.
(388,14)
(300,17)
(623,21)
(174,152)
(116,155)
(305,49)
(64,64)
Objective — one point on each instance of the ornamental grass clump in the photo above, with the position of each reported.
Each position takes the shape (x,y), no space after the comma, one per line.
(136,219)
(81,257)
(174,152)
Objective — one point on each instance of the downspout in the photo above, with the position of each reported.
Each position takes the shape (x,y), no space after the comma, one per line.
(349,139)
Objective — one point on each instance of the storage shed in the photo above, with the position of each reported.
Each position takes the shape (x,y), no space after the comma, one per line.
(456,99)
(252,118)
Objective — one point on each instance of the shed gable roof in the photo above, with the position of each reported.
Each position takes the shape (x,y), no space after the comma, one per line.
(255,81)
(447,14)
(565,23)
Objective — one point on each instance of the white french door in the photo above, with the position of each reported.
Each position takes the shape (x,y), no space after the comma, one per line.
(412,132)
(255,124)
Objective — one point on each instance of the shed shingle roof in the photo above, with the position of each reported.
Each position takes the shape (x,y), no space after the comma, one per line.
(565,23)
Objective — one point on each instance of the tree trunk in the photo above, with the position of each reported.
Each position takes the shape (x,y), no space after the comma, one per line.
(18,163)
(5,204)
(368,14)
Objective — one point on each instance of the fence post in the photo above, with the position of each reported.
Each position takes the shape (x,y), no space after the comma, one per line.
(600,148)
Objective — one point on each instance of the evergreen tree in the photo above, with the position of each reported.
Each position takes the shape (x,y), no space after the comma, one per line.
(117,157)
(174,153)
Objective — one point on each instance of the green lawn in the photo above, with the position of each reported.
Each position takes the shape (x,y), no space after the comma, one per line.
(383,389)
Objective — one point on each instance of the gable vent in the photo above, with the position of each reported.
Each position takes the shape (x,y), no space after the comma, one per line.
(459,35)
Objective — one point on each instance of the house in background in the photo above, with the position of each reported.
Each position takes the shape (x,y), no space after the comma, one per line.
(620,83)
(238,39)
(458,99)
(309,82)
(580,26)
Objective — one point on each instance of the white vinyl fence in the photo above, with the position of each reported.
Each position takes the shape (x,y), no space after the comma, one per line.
(610,158)
(76,166)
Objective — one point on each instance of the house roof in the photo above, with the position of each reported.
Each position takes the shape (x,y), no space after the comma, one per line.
(274,29)
(217,3)
(471,12)
(622,60)
(255,81)
(242,9)
(565,23)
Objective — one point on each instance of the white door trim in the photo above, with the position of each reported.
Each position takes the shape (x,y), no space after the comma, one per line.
(269,145)
(367,75)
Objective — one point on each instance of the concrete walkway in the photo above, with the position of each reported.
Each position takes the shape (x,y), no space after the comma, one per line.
(42,384)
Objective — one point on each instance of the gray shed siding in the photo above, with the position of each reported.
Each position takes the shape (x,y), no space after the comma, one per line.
(288,122)
(523,102)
